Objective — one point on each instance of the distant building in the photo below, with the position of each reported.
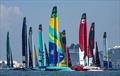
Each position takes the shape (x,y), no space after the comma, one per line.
(114,57)
(74,54)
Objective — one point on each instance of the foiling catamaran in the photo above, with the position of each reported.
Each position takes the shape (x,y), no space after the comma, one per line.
(57,59)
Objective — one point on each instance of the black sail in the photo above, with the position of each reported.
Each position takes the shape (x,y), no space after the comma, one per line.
(24,43)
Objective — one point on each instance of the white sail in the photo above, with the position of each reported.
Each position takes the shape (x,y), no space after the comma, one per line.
(81,57)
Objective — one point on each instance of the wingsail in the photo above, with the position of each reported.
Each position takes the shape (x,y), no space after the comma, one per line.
(62,50)
(9,52)
(30,47)
(91,59)
(105,51)
(24,44)
(40,47)
(32,50)
(83,38)
(53,38)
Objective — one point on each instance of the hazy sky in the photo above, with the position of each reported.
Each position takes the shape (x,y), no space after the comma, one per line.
(105,14)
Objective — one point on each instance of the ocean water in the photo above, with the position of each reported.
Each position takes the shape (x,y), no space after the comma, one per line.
(58,73)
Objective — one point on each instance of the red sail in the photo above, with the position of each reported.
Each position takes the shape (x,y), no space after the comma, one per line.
(83,34)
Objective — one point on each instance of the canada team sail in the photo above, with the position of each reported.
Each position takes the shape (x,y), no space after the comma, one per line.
(24,44)
(9,52)
(83,40)
(53,38)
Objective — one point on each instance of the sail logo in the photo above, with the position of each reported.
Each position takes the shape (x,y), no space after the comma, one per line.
(83,21)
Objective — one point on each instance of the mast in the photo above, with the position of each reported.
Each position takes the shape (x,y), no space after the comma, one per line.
(24,44)
(91,44)
(40,46)
(53,38)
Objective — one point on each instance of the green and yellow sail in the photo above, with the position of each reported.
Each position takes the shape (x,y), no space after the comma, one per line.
(53,38)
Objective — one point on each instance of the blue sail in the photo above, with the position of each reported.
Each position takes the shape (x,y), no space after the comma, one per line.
(53,38)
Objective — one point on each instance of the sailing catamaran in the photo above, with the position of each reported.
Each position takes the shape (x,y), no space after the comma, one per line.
(83,43)
(56,56)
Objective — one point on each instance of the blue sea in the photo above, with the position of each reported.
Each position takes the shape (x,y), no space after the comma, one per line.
(58,73)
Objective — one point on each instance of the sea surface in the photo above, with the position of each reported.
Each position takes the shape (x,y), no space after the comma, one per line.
(58,73)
